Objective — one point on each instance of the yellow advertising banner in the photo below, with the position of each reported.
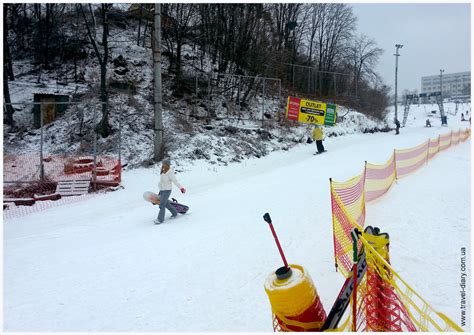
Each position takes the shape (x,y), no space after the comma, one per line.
(313,112)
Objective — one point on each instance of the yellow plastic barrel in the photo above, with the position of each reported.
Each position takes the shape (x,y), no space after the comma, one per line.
(295,302)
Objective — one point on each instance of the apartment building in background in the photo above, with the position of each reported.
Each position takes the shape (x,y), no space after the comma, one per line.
(454,84)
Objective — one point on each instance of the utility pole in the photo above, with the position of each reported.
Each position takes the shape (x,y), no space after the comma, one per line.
(397,46)
(157,84)
(444,120)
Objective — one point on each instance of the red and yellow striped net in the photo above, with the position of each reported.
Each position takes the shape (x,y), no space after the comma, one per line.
(433,148)
(379,178)
(386,302)
(407,310)
(348,203)
(444,141)
(409,160)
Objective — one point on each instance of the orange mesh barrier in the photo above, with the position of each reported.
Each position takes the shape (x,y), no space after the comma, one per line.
(409,160)
(379,178)
(348,198)
(433,147)
(348,211)
(444,141)
(385,302)
(27,168)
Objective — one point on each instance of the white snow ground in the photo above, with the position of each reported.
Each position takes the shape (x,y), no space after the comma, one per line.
(101,264)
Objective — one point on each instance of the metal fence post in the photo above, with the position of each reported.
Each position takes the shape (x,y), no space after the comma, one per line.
(120,138)
(238,92)
(41,144)
(309,80)
(263,100)
(279,100)
(196,95)
(293,67)
(209,96)
(94,130)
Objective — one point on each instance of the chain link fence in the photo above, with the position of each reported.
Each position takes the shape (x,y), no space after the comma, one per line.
(57,143)
(250,100)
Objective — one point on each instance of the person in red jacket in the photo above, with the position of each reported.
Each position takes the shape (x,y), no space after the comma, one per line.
(167,179)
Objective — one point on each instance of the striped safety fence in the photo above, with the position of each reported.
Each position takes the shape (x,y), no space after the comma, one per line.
(402,306)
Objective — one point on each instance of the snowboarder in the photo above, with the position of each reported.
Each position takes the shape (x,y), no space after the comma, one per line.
(428,123)
(318,136)
(167,179)
(397,124)
(462,117)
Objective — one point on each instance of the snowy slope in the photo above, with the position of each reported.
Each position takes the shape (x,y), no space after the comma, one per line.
(101,265)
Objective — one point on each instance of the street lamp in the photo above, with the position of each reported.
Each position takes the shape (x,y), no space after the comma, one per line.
(441,82)
(444,120)
(397,46)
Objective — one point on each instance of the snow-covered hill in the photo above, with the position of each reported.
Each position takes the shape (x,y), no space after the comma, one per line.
(186,138)
(101,264)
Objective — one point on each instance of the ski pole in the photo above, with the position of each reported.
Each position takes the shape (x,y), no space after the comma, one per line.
(268,219)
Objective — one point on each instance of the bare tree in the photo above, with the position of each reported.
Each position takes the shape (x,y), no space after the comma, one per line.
(180,21)
(103,128)
(6,44)
(334,32)
(364,55)
(316,10)
(7,71)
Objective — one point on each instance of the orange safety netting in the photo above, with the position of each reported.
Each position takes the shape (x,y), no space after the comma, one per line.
(409,160)
(433,147)
(379,178)
(385,302)
(347,202)
(444,141)
(26,167)
(348,198)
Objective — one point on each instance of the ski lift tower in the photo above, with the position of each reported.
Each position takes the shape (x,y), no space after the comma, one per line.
(439,101)
(409,99)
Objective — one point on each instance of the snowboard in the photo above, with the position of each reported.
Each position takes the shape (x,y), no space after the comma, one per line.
(155,200)
(318,153)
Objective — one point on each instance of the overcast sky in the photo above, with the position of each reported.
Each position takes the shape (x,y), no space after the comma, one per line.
(434,37)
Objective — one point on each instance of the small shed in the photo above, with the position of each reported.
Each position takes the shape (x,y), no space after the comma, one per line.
(51,110)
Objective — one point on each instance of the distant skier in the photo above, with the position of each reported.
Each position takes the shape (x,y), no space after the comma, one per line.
(462,117)
(167,179)
(397,124)
(318,136)
(428,123)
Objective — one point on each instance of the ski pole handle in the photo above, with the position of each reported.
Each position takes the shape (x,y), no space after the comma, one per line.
(268,219)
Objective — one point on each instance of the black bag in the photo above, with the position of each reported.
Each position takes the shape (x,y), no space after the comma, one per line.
(309,140)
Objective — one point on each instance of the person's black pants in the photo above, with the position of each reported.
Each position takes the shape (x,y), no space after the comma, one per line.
(319,145)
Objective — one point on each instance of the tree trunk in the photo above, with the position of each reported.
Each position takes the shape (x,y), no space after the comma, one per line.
(144,33)
(6,46)
(104,127)
(8,109)
(46,35)
(178,65)
(139,24)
